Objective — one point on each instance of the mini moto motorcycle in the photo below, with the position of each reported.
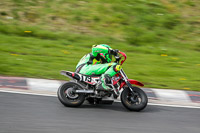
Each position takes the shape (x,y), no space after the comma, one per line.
(83,87)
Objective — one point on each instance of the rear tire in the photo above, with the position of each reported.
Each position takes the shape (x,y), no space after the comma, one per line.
(91,100)
(136,102)
(67,97)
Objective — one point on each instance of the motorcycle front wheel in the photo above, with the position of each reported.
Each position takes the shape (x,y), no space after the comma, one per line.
(67,96)
(134,101)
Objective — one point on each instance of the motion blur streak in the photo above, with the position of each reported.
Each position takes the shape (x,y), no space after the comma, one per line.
(52,95)
(29,113)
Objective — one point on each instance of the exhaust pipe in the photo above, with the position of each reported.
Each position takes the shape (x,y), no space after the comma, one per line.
(85,91)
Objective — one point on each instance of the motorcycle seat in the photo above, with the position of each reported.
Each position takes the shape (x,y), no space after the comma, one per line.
(93,75)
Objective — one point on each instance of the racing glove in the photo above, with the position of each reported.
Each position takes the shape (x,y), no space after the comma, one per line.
(114,52)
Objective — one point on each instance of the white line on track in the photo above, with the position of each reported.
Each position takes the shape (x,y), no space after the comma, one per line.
(51,95)
(28,93)
(178,106)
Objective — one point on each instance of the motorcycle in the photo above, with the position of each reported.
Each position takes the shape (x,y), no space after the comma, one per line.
(83,87)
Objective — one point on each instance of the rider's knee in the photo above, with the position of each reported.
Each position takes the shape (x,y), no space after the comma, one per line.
(117,68)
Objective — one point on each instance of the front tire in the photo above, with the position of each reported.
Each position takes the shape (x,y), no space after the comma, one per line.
(67,97)
(134,102)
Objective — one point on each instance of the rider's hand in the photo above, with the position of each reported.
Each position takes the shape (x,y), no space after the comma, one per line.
(114,52)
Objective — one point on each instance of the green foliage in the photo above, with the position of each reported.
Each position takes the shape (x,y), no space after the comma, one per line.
(161,38)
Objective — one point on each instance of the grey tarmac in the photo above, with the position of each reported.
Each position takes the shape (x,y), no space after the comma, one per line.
(21,113)
(45,86)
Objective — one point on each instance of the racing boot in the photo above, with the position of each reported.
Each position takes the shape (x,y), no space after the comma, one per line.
(103,83)
(106,77)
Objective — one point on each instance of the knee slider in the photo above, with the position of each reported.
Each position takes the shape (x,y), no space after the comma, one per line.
(117,68)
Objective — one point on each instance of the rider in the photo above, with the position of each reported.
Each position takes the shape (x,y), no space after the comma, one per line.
(98,62)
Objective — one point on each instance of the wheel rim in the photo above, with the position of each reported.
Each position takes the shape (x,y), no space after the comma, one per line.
(70,94)
(134,99)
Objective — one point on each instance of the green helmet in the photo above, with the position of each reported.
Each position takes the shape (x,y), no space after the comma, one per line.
(103,51)
(107,56)
(105,45)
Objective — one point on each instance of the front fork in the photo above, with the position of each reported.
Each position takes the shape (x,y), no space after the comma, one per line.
(126,80)
(116,90)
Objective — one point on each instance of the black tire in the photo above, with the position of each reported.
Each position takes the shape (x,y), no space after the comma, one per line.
(91,100)
(134,103)
(65,99)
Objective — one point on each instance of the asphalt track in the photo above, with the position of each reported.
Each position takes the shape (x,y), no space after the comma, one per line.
(21,113)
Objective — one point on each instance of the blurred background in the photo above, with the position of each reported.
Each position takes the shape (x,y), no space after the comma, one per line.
(161,38)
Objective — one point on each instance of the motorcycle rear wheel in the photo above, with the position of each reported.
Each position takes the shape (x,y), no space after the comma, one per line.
(67,97)
(134,102)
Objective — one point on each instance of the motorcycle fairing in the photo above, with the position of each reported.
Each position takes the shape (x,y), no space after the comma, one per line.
(132,81)
(94,79)
(81,77)
(135,82)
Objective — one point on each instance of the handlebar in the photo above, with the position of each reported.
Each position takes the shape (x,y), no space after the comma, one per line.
(118,58)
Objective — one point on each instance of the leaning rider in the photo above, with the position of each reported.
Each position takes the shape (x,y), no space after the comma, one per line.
(98,62)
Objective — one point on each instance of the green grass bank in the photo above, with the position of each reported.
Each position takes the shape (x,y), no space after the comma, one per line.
(161,38)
